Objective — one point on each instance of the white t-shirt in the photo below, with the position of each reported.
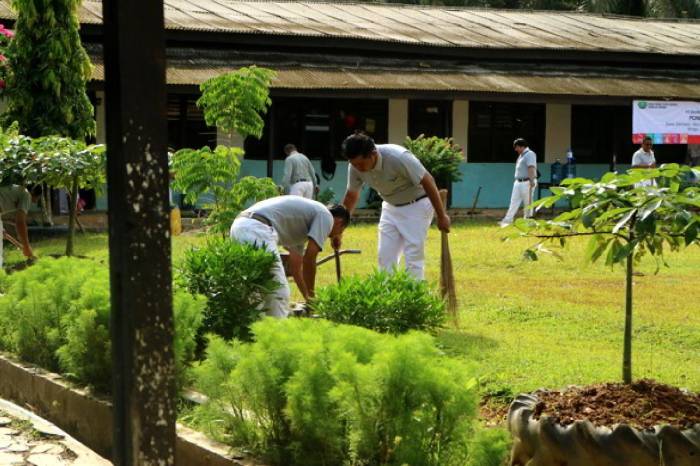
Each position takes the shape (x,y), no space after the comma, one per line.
(643,158)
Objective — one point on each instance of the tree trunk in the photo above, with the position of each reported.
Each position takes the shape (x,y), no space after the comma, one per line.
(627,352)
(72,215)
(45,202)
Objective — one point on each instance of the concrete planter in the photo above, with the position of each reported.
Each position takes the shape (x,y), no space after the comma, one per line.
(544,442)
(89,419)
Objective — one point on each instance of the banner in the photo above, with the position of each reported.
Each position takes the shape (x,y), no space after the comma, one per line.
(666,122)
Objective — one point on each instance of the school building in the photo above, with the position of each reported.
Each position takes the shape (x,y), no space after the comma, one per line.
(483,77)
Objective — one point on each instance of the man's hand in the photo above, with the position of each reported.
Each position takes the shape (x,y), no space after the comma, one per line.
(336,242)
(443,223)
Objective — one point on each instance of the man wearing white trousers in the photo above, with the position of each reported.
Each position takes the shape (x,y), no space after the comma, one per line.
(524,183)
(410,197)
(299,175)
(299,225)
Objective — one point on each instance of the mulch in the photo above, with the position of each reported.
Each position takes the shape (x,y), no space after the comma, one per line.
(642,404)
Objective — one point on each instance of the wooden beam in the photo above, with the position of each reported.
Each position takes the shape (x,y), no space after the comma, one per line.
(139,236)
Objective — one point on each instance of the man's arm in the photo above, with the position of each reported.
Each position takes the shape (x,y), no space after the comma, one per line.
(21,225)
(309,267)
(295,261)
(532,174)
(349,202)
(287,177)
(428,183)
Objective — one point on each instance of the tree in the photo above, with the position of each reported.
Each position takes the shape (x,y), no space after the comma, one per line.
(69,164)
(625,220)
(49,71)
(440,156)
(200,171)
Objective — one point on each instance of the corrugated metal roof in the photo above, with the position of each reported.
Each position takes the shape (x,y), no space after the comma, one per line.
(422,25)
(474,79)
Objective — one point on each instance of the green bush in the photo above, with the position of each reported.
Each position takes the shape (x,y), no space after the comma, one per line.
(235,278)
(309,392)
(56,314)
(440,156)
(385,302)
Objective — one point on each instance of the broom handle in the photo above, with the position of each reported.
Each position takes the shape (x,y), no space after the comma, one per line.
(443,198)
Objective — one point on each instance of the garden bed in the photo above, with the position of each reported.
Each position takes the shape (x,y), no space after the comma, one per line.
(88,418)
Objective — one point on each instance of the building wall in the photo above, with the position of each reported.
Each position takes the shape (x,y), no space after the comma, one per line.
(398,120)
(557,132)
(460,124)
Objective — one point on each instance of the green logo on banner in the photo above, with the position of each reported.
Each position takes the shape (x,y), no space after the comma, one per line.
(642,104)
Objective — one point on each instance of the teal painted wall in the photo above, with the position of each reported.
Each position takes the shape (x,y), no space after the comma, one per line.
(495,179)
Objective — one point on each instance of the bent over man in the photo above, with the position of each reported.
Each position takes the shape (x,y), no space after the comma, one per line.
(299,175)
(410,197)
(301,226)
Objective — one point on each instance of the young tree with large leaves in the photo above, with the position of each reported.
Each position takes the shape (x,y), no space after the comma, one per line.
(625,221)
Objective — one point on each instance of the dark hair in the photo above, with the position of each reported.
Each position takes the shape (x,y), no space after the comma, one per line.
(357,145)
(647,138)
(289,148)
(520,142)
(339,211)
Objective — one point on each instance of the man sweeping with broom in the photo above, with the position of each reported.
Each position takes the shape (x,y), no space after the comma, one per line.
(410,196)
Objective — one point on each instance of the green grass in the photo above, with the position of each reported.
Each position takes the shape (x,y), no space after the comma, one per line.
(527,325)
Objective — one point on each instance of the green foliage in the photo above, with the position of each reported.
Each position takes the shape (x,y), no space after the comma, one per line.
(59,161)
(623,217)
(203,171)
(327,196)
(382,301)
(309,392)
(441,157)
(235,278)
(236,100)
(16,157)
(56,314)
(49,71)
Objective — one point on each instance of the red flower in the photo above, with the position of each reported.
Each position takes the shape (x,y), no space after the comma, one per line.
(2,84)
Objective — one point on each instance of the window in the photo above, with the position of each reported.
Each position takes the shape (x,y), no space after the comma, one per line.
(494,125)
(186,125)
(430,117)
(318,126)
(599,131)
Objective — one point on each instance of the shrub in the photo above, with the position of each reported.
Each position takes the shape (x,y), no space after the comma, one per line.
(441,157)
(314,393)
(56,314)
(235,278)
(385,302)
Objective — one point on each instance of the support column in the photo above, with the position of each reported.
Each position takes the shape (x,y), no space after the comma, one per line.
(100,132)
(139,234)
(460,124)
(557,132)
(398,120)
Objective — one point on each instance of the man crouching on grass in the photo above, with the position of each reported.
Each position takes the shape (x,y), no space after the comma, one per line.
(301,226)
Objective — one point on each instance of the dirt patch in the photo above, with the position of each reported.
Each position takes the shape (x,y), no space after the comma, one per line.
(643,404)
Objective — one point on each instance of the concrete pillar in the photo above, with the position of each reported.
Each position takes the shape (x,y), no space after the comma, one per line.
(229,140)
(398,120)
(460,124)
(100,132)
(557,132)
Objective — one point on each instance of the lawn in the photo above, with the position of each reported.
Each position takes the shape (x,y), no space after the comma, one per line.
(526,325)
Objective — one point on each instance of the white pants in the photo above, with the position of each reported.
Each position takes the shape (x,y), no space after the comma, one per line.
(249,231)
(303,189)
(403,229)
(522,195)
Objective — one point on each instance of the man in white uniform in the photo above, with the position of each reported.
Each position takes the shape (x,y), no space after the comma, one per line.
(16,199)
(524,183)
(410,199)
(644,158)
(291,222)
(299,174)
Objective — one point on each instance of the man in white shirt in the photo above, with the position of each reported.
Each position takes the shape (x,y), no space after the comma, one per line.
(644,158)
(16,199)
(299,174)
(301,226)
(410,199)
(524,183)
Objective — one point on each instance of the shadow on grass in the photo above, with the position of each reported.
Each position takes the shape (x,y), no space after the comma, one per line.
(464,344)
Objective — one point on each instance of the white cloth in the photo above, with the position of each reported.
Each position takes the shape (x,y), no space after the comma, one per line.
(403,230)
(249,231)
(642,157)
(303,189)
(522,195)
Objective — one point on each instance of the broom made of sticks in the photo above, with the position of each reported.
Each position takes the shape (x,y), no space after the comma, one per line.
(447,276)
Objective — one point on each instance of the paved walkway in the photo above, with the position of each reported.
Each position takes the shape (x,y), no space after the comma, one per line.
(26,439)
